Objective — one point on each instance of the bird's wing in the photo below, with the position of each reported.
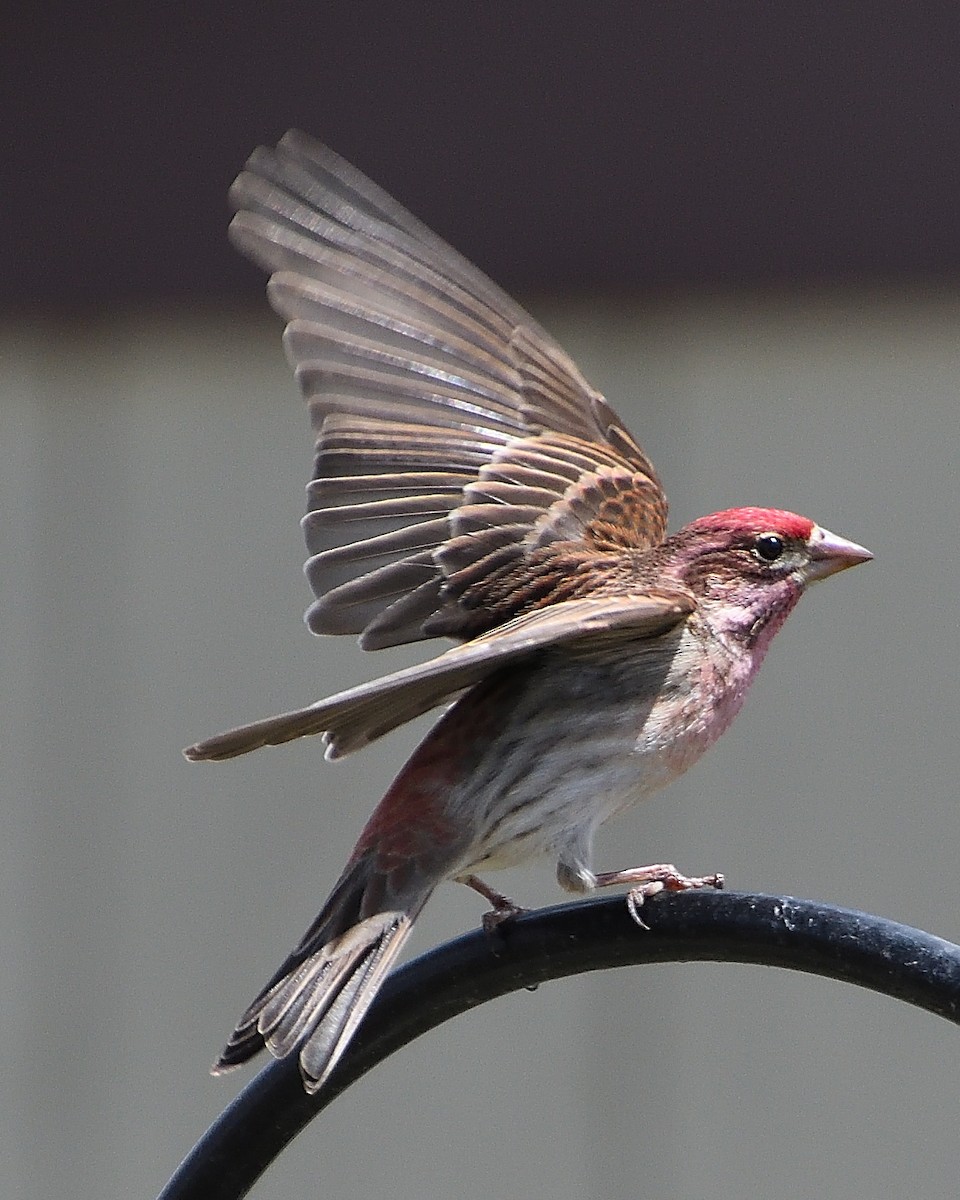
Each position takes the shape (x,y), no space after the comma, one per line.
(356,717)
(455,438)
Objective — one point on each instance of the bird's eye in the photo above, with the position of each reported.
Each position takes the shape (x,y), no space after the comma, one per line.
(768,546)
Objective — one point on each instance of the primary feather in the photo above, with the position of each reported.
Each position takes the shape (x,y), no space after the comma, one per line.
(455,438)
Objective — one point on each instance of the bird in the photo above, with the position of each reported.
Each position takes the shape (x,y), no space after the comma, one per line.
(470,484)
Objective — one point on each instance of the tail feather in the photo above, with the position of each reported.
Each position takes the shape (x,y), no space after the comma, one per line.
(322,1004)
(285,1018)
(321,994)
(323,1049)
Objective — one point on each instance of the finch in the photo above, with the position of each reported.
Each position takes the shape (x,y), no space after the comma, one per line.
(469,483)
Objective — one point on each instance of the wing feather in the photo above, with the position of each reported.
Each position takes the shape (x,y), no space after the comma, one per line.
(453,434)
(356,717)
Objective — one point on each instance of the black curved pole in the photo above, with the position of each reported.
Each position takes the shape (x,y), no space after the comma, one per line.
(551,943)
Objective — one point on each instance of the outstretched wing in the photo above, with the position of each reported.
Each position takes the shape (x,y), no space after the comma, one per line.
(356,717)
(455,439)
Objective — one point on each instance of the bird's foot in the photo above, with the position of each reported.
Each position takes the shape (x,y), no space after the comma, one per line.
(504,909)
(649,881)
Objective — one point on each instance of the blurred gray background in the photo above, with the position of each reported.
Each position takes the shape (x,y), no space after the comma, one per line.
(742,223)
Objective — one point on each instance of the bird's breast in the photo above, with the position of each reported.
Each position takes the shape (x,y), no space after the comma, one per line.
(569,740)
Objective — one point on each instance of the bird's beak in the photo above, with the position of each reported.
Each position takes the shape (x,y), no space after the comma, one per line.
(830,553)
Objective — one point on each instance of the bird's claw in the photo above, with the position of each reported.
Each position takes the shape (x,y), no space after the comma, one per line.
(506,910)
(649,881)
(670,880)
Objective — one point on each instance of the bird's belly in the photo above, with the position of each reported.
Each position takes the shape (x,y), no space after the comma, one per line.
(581,743)
(554,792)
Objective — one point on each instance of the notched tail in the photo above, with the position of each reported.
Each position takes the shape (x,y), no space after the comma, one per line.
(320,995)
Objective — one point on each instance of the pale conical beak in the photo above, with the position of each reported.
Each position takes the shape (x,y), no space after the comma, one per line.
(830,553)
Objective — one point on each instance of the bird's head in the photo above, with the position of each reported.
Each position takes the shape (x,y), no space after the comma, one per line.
(747,567)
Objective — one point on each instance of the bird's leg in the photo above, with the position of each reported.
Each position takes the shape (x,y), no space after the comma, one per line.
(648,881)
(503,907)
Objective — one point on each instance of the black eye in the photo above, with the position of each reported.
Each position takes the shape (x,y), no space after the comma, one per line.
(769,547)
